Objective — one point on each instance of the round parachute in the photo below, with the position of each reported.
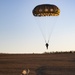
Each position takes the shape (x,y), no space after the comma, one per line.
(46,16)
(46,10)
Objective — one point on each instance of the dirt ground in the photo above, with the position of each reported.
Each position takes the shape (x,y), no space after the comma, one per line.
(38,64)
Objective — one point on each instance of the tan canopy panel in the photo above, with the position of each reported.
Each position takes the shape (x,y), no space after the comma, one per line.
(46,10)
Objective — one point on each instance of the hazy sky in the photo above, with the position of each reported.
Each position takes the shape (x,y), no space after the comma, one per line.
(19,32)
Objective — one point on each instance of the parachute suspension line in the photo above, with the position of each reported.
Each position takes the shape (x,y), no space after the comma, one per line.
(41,31)
(50,33)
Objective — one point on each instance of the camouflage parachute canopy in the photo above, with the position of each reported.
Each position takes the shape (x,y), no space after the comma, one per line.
(46,10)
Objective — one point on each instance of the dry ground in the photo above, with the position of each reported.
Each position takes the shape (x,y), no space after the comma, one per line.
(38,64)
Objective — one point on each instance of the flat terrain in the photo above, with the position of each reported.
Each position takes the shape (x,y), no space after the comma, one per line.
(38,64)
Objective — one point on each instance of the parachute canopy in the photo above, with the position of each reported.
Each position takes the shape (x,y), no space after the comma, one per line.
(46,10)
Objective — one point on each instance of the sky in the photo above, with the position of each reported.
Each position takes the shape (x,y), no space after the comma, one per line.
(19,32)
